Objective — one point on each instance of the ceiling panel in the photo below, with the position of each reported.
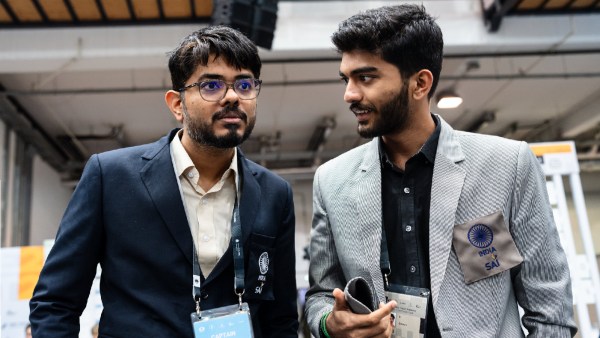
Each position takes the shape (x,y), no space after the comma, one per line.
(86,10)
(55,10)
(24,10)
(146,10)
(49,13)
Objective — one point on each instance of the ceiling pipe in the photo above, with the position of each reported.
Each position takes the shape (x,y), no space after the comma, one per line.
(26,129)
(516,76)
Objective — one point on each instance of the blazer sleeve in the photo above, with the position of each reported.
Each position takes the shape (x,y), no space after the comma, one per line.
(325,272)
(542,282)
(281,317)
(61,293)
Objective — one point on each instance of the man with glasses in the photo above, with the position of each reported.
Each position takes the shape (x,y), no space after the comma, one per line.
(184,225)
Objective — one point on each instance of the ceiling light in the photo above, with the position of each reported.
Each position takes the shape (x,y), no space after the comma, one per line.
(448,99)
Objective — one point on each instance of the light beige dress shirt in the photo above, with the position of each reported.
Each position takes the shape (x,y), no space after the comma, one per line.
(208,212)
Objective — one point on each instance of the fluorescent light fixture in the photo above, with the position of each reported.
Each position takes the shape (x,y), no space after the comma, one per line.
(448,99)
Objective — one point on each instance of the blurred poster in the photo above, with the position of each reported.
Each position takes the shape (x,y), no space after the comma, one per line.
(19,271)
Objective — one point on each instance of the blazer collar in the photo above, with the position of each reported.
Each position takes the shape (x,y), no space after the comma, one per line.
(446,186)
(448,144)
(161,183)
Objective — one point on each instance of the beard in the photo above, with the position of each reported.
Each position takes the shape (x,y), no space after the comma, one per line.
(202,131)
(393,115)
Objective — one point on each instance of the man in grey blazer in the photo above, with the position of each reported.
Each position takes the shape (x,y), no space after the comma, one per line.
(457,223)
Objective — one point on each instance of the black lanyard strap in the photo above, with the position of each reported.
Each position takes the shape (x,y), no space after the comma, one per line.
(238,253)
(384,259)
(237,246)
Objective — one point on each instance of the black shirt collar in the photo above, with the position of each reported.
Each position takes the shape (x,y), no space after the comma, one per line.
(428,149)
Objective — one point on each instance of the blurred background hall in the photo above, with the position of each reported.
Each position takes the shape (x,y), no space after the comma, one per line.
(79,77)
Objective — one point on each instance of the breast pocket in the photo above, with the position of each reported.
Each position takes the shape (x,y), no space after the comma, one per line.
(261,268)
(484,247)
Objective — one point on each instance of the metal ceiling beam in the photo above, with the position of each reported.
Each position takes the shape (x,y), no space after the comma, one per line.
(581,118)
(10,11)
(101,10)
(95,91)
(41,11)
(71,10)
(29,131)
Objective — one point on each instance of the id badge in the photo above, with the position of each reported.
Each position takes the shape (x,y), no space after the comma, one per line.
(410,316)
(227,321)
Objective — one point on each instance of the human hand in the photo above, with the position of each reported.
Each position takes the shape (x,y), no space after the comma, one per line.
(343,323)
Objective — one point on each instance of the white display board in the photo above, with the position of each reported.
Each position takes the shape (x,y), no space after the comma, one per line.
(559,159)
(19,271)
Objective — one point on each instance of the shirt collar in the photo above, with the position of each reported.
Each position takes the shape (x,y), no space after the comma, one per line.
(183,163)
(428,149)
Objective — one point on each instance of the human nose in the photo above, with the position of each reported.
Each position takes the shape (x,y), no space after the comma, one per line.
(230,96)
(352,92)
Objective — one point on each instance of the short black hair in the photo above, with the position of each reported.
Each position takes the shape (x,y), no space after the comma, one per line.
(404,35)
(221,41)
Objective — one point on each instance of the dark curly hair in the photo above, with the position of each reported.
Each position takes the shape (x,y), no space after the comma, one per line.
(404,35)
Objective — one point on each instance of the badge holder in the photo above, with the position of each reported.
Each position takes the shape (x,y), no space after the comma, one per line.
(410,316)
(226,321)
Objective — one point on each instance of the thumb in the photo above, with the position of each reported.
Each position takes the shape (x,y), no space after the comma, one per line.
(389,306)
(340,300)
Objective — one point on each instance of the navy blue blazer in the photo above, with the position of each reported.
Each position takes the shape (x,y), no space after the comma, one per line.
(126,214)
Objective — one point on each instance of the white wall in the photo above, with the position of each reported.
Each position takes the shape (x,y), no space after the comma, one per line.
(49,199)
(303,209)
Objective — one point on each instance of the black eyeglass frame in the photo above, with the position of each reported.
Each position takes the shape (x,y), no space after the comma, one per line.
(257,84)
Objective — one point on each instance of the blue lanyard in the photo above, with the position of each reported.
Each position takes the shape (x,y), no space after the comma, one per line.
(238,260)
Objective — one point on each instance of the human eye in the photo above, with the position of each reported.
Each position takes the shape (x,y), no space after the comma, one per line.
(344,79)
(365,78)
(211,86)
(244,84)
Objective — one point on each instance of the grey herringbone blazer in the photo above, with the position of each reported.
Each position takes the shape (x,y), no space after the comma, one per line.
(474,176)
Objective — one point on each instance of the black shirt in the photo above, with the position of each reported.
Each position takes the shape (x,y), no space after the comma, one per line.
(406,197)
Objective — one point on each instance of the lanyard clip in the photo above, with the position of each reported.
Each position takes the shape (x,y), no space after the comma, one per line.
(197,299)
(240,298)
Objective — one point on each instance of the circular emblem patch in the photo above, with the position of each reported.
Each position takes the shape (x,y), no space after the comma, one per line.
(480,235)
(263,263)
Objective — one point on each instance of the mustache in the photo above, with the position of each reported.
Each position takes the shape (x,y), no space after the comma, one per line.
(357,107)
(230,112)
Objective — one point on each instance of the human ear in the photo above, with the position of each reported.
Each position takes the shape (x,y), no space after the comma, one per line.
(174,102)
(423,80)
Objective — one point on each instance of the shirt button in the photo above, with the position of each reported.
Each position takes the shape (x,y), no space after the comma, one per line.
(408,228)
(190,174)
(406,190)
(205,238)
(203,202)
(204,295)
(413,269)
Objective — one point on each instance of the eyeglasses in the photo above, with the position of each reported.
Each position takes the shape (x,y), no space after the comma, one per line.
(215,90)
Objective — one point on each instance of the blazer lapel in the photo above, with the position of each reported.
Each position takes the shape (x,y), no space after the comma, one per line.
(368,214)
(250,197)
(159,178)
(447,182)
